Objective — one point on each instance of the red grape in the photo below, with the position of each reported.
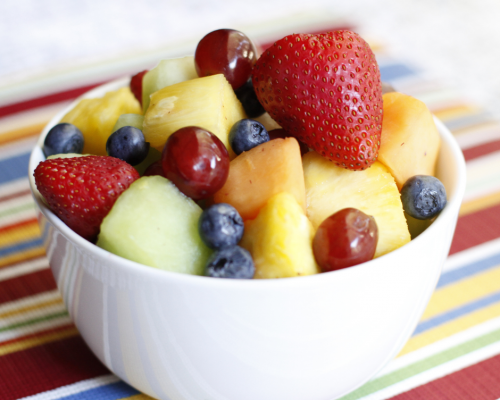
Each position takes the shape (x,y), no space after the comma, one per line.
(136,85)
(196,161)
(228,52)
(155,168)
(346,238)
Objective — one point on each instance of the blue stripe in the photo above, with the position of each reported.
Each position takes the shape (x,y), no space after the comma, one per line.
(457,312)
(113,391)
(468,270)
(6,251)
(390,72)
(14,167)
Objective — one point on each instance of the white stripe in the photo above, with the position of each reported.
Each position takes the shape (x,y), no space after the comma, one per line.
(40,312)
(74,388)
(16,186)
(17,148)
(24,268)
(478,135)
(476,253)
(440,346)
(483,176)
(23,215)
(34,328)
(436,372)
(16,202)
(35,116)
(29,301)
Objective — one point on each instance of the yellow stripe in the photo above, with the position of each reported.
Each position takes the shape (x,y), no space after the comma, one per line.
(138,397)
(37,341)
(475,128)
(22,133)
(453,112)
(463,292)
(22,310)
(450,328)
(21,256)
(20,234)
(480,204)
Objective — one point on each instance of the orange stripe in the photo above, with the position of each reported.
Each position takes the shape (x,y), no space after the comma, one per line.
(21,133)
(20,224)
(37,339)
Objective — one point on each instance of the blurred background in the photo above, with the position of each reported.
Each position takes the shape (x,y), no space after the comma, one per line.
(453,40)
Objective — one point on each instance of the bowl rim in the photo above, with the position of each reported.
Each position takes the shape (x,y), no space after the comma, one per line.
(454,201)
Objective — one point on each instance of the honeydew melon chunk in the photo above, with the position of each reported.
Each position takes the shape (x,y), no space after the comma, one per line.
(166,73)
(134,120)
(154,224)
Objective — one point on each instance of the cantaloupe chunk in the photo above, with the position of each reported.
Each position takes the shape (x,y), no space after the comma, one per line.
(257,175)
(410,141)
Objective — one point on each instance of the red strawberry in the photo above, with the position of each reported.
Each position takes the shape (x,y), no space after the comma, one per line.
(136,85)
(82,190)
(326,91)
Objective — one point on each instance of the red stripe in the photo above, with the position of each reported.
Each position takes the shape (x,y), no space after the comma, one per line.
(26,285)
(45,100)
(476,228)
(47,367)
(14,195)
(481,150)
(477,382)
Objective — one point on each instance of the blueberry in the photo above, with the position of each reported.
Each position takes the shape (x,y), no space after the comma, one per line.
(128,144)
(423,196)
(247,134)
(230,262)
(251,104)
(62,139)
(220,226)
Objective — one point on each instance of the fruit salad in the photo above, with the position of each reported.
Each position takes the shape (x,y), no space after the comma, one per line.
(233,165)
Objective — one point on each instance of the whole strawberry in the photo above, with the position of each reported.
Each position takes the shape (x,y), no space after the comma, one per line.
(82,190)
(325,90)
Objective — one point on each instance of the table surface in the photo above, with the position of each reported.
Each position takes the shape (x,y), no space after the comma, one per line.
(454,352)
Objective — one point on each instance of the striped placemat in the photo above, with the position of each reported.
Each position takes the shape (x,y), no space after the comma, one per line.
(454,352)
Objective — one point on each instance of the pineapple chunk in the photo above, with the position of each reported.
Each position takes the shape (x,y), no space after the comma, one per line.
(166,73)
(280,239)
(330,188)
(97,117)
(208,102)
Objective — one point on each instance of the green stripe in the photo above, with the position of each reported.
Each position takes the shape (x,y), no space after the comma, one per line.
(13,210)
(34,321)
(423,365)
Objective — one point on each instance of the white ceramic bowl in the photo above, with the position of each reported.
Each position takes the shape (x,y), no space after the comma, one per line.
(180,337)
